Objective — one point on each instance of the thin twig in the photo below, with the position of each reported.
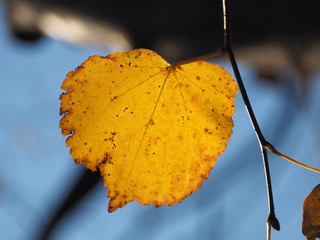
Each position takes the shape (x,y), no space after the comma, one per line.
(228,47)
(272,149)
(272,220)
(268,231)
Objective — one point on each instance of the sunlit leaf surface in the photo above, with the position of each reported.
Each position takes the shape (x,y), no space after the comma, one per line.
(153,130)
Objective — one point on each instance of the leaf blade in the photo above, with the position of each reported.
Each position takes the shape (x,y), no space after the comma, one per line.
(153,130)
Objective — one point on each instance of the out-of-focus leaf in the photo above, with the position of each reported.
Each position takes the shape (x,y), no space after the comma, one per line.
(311,215)
(153,130)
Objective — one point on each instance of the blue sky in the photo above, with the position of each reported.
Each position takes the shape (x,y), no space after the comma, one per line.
(36,168)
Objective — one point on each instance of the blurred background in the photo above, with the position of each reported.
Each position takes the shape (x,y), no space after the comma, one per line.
(44,195)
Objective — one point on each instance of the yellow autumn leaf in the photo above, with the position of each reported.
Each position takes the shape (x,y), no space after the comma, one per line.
(153,130)
(311,215)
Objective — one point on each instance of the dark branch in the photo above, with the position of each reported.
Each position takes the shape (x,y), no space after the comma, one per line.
(272,220)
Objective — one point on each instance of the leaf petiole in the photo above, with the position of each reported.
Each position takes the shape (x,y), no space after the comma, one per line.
(216,53)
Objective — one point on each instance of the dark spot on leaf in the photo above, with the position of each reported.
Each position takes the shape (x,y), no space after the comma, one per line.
(104,160)
(151,122)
